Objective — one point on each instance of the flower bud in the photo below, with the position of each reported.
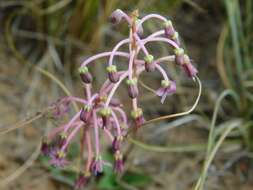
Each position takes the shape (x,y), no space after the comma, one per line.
(85,113)
(116,144)
(137,115)
(132,88)
(189,69)
(175,38)
(45,148)
(169,30)
(96,166)
(85,74)
(118,164)
(105,114)
(116,16)
(179,56)
(149,63)
(113,74)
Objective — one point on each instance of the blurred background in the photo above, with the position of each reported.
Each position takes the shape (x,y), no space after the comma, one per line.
(43,42)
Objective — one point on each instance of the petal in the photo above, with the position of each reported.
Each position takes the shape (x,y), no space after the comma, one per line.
(160,91)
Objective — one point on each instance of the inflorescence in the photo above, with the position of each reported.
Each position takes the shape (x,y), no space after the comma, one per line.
(101,111)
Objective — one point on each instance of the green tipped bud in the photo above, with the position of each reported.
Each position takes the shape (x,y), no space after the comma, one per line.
(131,81)
(175,36)
(83,70)
(136,113)
(111,69)
(105,111)
(167,23)
(149,58)
(61,154)
(165,83)
(179,51)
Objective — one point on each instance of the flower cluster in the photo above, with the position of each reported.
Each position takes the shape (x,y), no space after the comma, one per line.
(102,113)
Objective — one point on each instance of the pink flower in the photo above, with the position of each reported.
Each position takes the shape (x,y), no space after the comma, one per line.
(97,166)
(85,74)
(149,63)
(169,30)
(138,117)
(189,69)
(113,73)
(133,91)
(168,87)
(118,163)
(116,16)
(58,159)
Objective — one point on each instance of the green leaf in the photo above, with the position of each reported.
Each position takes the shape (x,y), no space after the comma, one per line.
(137,179)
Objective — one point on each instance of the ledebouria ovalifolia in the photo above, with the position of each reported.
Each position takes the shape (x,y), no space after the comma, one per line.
(102,113)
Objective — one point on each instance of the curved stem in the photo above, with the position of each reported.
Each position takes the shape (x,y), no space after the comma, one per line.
(72,121)
(71,135)
(116,85)
(96,132)
(104,54)
(151,16)
(122,42)
(116,122)
(161,39)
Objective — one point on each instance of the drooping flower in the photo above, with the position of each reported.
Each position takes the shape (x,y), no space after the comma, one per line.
(82,180)
(138,117)
(149,63)
(169,30)
(132,88)
(175,38)
(85,74)
(97,166)
(167,87)
(189,69)
(116,16)
(179,56)
(116,144)
(85,114)
(105,114)
(118,162)
(45,148)
(113,74)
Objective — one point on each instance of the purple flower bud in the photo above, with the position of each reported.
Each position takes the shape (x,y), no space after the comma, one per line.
(116,16)
(169,30)
(82,180)
(149,63)
(118,163)
(97,166)
(85,75)
(105,114)
(45,148)
(116,144)
(138,117)
(85,114)
(113,74)
(132,88)
(179,53)
(168,87)
(189,69)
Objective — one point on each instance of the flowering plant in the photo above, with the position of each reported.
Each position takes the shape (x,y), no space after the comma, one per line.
(101,111)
